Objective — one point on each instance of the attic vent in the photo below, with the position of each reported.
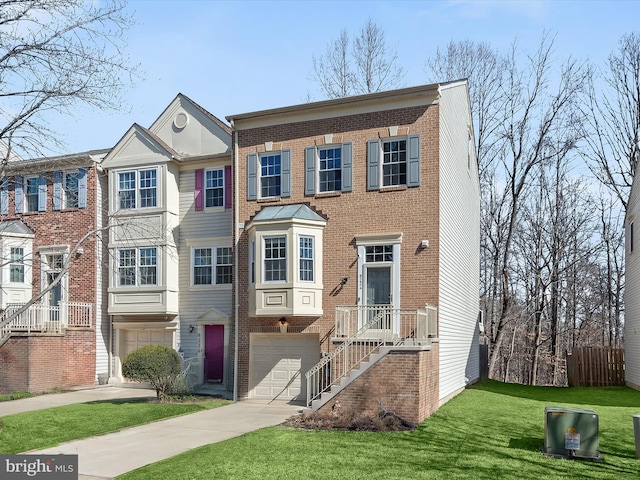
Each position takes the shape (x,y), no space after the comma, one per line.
(180,120)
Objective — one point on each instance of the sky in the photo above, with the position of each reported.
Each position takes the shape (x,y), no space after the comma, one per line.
(234,57)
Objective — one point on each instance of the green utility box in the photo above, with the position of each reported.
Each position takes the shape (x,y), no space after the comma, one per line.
(571,433)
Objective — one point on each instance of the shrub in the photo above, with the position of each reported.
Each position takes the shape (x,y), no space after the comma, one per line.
(158,365)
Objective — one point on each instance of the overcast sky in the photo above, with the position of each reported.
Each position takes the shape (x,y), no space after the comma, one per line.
(240,56)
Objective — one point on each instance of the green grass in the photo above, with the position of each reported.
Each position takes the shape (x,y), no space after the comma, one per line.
(490,431)
(15,396)
(52,426)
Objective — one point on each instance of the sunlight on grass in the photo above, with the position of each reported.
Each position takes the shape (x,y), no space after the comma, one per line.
(489,431)
(46,428)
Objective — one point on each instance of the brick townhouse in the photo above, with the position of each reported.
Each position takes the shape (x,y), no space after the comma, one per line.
(51,216)
(356,227)
(314,253)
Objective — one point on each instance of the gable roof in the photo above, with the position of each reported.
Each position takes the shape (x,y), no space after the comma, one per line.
(212,117)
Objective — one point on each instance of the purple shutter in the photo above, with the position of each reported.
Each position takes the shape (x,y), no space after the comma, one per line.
(227,186)
(198,193)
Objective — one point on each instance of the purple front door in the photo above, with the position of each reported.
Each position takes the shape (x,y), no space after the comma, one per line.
(213,353)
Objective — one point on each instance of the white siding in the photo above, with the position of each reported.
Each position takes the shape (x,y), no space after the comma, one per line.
(200,135)
(632,292)
(459,245)
(212,227)
(103,325)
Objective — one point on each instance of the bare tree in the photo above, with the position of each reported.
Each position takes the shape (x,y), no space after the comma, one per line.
(484,68)
(365,65)
(332,71)
(524,111)
(611,107)
(54,56)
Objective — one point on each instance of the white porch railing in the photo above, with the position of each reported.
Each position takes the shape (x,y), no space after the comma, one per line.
(366,329)
(45,318)
(418,325)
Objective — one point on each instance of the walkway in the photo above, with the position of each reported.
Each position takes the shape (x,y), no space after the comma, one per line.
(107,456)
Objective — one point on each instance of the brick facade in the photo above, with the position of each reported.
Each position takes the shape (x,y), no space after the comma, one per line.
(409,388)
(65,227)
(40,362)
(413,211)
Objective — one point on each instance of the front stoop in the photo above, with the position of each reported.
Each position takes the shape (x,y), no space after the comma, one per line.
(403,379)
(356,372)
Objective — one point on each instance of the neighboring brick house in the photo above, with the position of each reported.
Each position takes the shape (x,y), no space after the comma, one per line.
(350,217)
(170,241)
(51,218)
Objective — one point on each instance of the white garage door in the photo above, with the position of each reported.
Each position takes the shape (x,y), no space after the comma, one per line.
(278,362)
(134,339)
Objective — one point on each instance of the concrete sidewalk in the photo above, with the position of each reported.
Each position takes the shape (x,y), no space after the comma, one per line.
(107,392)
(106,456)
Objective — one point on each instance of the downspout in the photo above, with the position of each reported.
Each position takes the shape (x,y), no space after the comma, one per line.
(110,353)
(236,219)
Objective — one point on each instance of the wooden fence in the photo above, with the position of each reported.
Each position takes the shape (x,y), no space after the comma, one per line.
(595,367)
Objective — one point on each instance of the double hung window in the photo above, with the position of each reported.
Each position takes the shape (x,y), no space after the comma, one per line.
(306,259)
(16,265)
(270,171)
(137,189)
(330,169)
(275,259)
(394,163)
(269,175)
(212,266)
(70,188)
(137,266)
(214,187)
(31,192)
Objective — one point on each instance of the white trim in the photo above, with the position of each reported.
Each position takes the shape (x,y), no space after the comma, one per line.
(371,239)
(45,268)
(317,169)
(259,175)
(136,189)
(204,188)
(395,272)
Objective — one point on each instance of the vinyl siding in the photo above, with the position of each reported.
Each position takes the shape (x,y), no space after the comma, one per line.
(459,246)
(102,281)
(212,227)
(632,292)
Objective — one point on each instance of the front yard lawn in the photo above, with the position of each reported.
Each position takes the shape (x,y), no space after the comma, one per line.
(490,431)
(46,428)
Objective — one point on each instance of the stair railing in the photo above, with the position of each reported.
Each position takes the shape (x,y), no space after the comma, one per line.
(349,354)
